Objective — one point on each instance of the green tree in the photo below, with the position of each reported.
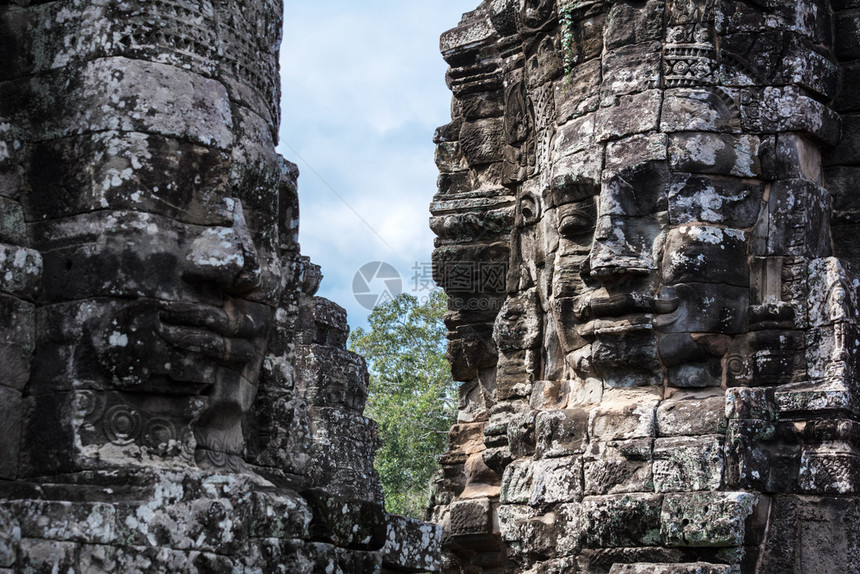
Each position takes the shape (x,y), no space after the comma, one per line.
(411,395)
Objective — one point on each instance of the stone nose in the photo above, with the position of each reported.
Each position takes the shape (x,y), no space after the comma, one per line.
(632,219)
(625,246)
(225,256)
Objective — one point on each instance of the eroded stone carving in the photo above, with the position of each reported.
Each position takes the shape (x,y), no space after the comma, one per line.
(172,395)
(662,382)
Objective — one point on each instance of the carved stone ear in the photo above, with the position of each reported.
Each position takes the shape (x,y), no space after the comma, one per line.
(528,209)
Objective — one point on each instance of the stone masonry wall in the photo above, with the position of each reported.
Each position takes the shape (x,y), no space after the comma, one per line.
(173,397)
(646,230)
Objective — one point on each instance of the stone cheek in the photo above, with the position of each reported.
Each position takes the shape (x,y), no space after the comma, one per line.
(675,354)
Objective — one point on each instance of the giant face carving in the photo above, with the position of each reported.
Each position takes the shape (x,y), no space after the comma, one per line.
(659,169)
(647,195)
(174,321)
(161,245)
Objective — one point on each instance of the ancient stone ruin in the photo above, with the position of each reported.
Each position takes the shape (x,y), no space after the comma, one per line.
(647,223)
(173,398)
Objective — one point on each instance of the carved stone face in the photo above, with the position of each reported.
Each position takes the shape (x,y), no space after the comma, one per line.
(174,318)
(651,197)
(678,184)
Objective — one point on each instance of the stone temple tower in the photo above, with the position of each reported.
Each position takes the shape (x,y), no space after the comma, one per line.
(647,230)
(173,398)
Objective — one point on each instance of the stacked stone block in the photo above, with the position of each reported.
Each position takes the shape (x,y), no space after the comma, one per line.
(675,354)
(173,397)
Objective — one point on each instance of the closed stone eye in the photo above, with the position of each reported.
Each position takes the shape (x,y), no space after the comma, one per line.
(577,218)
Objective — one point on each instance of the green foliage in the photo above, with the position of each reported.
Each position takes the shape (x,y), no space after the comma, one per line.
(567,40)
(411,396)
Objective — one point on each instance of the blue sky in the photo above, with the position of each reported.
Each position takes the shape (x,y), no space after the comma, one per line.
(363,90)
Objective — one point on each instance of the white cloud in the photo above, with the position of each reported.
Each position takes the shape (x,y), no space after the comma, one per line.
(363,90)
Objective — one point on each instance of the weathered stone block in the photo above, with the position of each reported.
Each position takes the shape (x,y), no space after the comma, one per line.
(754,462)
(628,114)
(847,100)
(766,357)
(576,177)
(639,188)
(627,24)
(690,568)
(10,536)
(785,110)
(449,158)
(846,203)
(526,530)
(37,555)
(20,271)
(796,156)
(12,227)
(706,253)
(346,522)
(691,413)
(624,414)
(577,93)
(549,395)
(136,95)
(847,36)
(719,154)
(692,360)
(705,308)
(798,215)
(706,519)
(412,545)
(832,468)
(811,533)
(688,463)
(517,482)
(575,135)
(730,202)
(556,480)
(698,110)
(129,174)
(622,520)
(848,150)
(798,61)
(630,69)
(482,141)
(521,434)
(561,433)
(471,517)
(633,153)
(635,247)
(482,105)
(12,409)
(564,565)
(618,467)
(343,443)
(543,61)
(746,403)
(329,377)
